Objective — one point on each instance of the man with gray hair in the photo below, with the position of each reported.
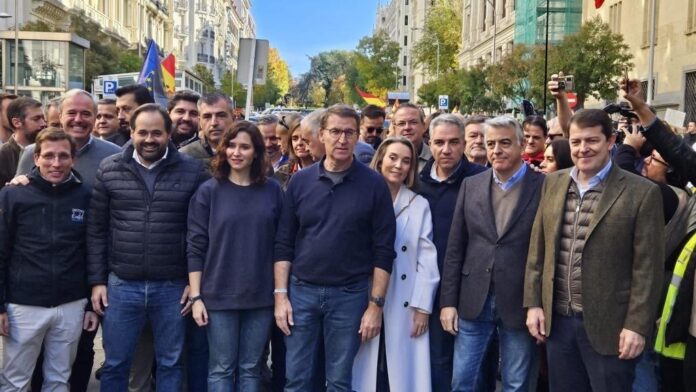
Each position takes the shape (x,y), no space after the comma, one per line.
(439,184)
(267,125)
(484,266)
(215,111)
(77,117)
(311,126)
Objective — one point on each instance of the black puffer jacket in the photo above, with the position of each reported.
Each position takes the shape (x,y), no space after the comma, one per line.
(42,242)
(136,235)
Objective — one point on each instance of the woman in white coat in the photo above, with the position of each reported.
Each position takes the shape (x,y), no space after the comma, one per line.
(412,284)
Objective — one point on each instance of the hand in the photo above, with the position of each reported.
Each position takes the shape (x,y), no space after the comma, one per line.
(633,137)
(631,344)
(185,301)
(4,325)
(552,85)
(371,322)
(450,320)
(98,298)
(283,313)
(90,322)
(536,323)
(20,180)
(200,314)
(420,323)
(630,90)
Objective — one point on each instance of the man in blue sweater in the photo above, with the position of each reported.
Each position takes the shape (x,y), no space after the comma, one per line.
(336,230)
(439,184)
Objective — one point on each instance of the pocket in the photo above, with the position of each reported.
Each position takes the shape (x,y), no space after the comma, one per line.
(114,280)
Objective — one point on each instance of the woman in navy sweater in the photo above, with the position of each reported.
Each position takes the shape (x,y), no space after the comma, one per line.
(231,229)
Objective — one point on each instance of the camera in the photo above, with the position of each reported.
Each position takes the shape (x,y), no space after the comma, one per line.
(566,83)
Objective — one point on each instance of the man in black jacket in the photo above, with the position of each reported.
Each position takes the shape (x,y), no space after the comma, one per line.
(137,248)
(43,285)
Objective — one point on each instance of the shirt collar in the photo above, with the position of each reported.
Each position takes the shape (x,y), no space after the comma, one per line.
(136,157)
(593,182)
(433,171)
(89,142)
(517,177)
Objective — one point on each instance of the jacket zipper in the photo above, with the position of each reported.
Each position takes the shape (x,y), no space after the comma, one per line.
(572,252)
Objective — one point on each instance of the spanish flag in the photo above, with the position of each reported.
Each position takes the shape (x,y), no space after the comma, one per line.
(370,98)
(598,3)
(168,72)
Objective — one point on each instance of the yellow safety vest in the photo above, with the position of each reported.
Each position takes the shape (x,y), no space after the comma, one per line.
(674,350)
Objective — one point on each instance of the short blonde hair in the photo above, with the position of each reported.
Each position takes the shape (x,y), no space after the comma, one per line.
(376,164)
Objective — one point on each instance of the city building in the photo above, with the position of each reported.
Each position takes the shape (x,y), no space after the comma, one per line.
(674,71)
(530,20)
(488,29)
(403,21)
(207,32)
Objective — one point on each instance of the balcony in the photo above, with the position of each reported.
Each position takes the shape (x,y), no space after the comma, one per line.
(181,5)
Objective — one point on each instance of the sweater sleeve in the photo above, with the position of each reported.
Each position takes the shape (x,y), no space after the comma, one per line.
(287,226)
(383,228)
(26,161)
(198,218)
(98,232)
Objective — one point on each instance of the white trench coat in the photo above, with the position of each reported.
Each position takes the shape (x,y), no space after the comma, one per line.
(412,285)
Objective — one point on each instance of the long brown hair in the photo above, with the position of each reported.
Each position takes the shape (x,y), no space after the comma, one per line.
(221,168)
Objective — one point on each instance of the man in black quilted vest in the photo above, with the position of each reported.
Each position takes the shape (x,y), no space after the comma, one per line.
(137,248)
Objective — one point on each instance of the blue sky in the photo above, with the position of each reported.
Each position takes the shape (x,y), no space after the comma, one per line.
(306,27)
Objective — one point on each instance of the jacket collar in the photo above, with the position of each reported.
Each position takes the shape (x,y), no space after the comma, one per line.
(172,156)
(349,175)
(46,186)
(454,178)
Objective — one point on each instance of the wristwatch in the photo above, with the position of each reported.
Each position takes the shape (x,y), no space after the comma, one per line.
(194,299)
(379,301)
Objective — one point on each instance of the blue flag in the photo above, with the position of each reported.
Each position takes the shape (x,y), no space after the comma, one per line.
(151,74)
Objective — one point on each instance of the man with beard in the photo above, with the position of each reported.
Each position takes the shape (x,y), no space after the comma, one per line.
(183,109)
(215,118)
(5,130)
(107,119)
(371,125)
(137,248)
(474,149)
(128,98)
(26,120)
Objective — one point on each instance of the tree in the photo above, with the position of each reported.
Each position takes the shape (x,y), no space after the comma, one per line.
(326,67)
(509,78)
(375,66)
(440,26)
(595,56)
(278,71)
(206,77)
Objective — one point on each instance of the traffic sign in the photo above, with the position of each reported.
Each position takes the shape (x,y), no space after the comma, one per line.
(110,87)
(443,102)
(572,99)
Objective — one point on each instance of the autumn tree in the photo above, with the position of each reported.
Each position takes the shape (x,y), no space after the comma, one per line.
(441,27)
(278,71)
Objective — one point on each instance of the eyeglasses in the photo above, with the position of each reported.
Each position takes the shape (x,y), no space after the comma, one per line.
(336,133)
(374,129)
(651,158)
(403,124)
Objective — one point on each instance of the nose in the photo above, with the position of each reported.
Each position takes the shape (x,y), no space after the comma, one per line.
(446,149)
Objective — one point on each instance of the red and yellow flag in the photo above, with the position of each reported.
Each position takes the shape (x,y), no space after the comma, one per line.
(598,3)
(370,98)
(168,72)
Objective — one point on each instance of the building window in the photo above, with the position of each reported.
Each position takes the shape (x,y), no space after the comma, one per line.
(403,80)
(503,11)
(691,20)
(405,40)
(406,2)
(647,22)
(483,16)
(405,20)
(405,61)
(690,96)
(615,17)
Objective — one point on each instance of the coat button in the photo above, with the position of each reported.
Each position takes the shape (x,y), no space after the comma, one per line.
(403,248)
(488,270)
(403,277)
(406,304)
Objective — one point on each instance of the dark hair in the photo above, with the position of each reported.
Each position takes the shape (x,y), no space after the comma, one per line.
(213,98)
(340,110)
(561,153)
(221,168)
(18,108)
(140,93)
(4,96)
(409,105)
(477,119)
(183,95)
(53,134)
(591,118)
(106,101)
(151,108)
(538,121)
(372,111)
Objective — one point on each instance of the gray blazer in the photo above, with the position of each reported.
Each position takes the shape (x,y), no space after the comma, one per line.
(477,256)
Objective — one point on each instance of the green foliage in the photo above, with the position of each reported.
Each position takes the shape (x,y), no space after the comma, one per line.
(206,76)
(375,67)
(439,27)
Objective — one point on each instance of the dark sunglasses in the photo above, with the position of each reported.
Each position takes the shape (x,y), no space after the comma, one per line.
(374,129)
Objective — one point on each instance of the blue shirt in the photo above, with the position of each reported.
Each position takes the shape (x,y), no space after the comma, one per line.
(594,181)
(336,234)
(517,177)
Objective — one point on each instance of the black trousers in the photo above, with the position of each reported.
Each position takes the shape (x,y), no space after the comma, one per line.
(575,366)
(690,365)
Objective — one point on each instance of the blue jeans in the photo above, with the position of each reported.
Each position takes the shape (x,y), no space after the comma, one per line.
(131,303)
(331,314)
(237,339)
(517,352)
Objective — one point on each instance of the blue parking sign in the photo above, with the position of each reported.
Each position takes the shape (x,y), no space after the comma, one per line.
(110,87)
(443,102)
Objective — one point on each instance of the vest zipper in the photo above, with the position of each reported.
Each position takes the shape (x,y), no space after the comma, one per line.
(572,252)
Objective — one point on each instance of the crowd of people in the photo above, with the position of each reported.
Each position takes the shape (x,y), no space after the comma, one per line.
(344,250)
